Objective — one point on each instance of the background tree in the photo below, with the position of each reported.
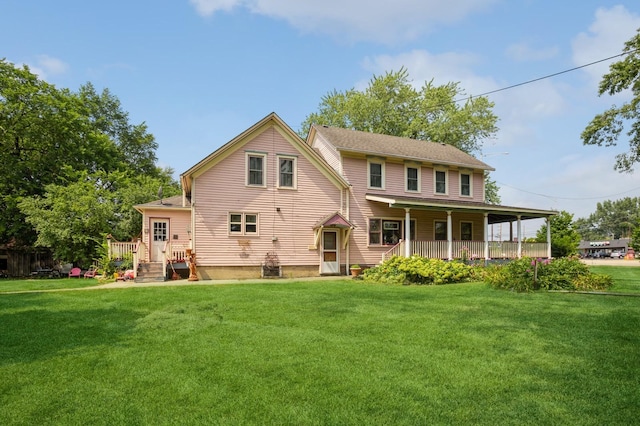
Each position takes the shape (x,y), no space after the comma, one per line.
(605,128)
(612,219)
(64,155)
(564,238)
(635,240)
(391,105)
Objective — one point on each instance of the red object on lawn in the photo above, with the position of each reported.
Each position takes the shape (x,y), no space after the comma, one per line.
(75,273)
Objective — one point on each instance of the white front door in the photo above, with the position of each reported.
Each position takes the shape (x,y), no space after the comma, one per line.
(330,260)
(160,234)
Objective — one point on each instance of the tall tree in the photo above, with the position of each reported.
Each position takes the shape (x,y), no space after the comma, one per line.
(606,128)
(58,147)
(391,105)
(564,237)
(612,219)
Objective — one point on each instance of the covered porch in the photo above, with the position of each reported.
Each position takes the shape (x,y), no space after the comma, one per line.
(447,247)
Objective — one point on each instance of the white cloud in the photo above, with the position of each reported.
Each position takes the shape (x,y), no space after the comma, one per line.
(377,20)
(606,37)
(522,52)
(46,66)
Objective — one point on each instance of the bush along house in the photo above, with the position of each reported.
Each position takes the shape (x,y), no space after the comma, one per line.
(268,203)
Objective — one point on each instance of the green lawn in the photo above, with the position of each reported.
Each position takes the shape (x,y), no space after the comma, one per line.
(45,284)
(324,352)
(626,278)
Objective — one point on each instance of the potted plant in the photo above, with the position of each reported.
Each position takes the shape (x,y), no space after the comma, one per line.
(355,270)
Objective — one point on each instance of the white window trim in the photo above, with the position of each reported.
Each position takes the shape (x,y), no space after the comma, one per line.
(264,168)
(470,174)
(375,161)
(243,224)
(406,178)
(294,159)
(446,181)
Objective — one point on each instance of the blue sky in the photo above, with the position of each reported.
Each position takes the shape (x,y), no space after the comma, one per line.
(199,72)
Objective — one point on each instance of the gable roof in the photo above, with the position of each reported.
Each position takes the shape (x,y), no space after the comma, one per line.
(271,120)
(397,147)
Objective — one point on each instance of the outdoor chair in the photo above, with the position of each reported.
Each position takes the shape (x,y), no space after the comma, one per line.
(75,273)
(91,273)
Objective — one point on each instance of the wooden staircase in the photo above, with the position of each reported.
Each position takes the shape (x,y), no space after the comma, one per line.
(149,272)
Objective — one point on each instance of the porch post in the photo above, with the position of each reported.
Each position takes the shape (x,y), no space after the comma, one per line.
(519,236)
(486,236)
(549,237)
(449,235)
(407,233)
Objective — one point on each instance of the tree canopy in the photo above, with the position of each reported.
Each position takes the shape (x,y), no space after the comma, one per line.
(605,128)
(390,105)
(564,237)
(612,219)
(65,154)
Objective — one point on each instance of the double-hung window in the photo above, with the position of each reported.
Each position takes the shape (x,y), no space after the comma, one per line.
(440,182)
(465,184)
(466,231)
(243,223)
(375,174)
(256,169)
(440,230)
(412,178)
(287,172)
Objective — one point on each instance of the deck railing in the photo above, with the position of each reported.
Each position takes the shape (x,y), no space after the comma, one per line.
(468,249)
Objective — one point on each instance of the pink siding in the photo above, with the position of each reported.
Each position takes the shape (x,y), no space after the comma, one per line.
(361,210)
(221,190)
(330,155)
(179,225)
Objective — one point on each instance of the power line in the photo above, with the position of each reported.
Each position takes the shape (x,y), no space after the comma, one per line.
(546,76)
(554,198)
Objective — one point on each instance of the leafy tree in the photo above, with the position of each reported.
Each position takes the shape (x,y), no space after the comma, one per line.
(74,219)
(612,219)
(605,128)
(72,165)
(391,105)
(635,240)
(564,237)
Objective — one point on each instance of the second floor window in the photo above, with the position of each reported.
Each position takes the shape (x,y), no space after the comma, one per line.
(413,179)
(465,185)
(287,176)
(256,169)
(376,174)
(440,182)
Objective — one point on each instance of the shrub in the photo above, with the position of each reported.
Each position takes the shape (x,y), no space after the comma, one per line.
(529,274)
(418,270)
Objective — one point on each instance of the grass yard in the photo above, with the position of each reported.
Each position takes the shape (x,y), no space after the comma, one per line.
(32,284)
(626,278)
(325,352)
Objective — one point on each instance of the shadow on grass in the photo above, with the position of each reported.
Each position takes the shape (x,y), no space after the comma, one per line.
(37,333)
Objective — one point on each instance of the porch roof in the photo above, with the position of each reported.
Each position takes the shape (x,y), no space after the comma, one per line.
(170,203)
(335,220)
(496,213)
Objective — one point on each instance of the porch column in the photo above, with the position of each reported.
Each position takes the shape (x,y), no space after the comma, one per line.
(486,236)
(519,236)
(407,233)
(449,235)
(549,238)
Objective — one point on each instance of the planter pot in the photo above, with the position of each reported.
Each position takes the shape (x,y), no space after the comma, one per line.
(355,271)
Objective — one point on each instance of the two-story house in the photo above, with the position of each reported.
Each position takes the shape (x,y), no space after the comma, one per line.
(316,206)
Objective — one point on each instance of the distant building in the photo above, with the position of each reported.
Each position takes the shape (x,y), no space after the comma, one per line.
(603,248)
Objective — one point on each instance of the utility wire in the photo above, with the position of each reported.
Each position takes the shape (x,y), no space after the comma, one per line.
(547,76)
(554,198)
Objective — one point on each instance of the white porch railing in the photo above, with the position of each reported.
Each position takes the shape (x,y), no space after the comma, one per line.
(468,250)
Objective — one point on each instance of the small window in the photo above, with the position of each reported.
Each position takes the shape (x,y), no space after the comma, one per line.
(412,178)
(465,185)
(376,174)
(440,231)
(287,174)
(466,231)
(440,182)
(256,169)
(243,223)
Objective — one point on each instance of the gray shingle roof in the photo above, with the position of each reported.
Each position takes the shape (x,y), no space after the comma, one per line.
(398,147)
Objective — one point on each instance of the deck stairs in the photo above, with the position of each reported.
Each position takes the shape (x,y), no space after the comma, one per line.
(149,272)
